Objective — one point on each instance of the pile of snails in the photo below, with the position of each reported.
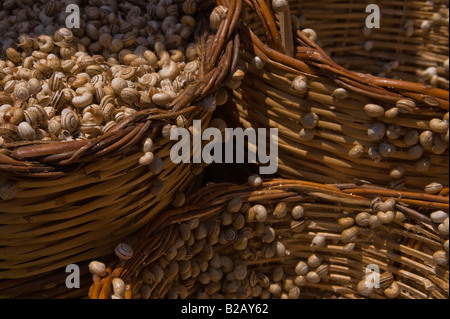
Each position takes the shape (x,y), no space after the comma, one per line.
(392,133)
(65,86)
(281,250)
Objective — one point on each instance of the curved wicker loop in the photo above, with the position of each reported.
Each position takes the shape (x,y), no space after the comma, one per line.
(402,247)
(345,143)
(71,201)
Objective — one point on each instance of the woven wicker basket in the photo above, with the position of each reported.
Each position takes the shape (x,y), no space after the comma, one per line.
(74,201)
(338,125)
(316,241)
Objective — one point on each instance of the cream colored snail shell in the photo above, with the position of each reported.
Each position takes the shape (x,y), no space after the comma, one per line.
(340,94)
(438,125)
(346,221)
(297,212)
(97,268)
(318,242)
(69,120)
(440,257)
(146,159)
(161,99)
(26,131)
(374,110)
(433,188)
(438,216)
(83,100)
(118,286)
(350,234)
(300,84)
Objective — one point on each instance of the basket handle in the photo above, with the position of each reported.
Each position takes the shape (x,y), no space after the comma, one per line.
(310,60)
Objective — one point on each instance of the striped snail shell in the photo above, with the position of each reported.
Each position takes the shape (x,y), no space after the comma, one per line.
(217,15)
(124,251)
(69,120)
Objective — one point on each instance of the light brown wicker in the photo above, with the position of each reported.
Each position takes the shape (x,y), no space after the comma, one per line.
(68,202)
(316,239)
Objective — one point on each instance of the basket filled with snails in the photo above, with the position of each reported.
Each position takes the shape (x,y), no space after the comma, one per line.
(85,120)
(287,239)
(338,120)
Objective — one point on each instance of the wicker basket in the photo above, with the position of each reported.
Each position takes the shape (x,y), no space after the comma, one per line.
(290,239)
(334,124)
(412,37)
(68,202)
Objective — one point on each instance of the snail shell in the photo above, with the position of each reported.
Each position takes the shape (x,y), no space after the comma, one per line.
(433,188)
(350,234)
(130,95)
(392,291)
(118,287)
(280,210)
(346,221)
(280,249)
(374,110)
(300,84)
(376,131)
(340,94)
(97,268)
(83,100)
(21,93)
(217,15)
(443,227)
(234,205)
(426,138)
(14,115)
(386,149)
(397,172)
(312,277)
(411,137)
(26,131)
(406,105)
(415,152)
(356,151)
(297,212)
(311,34)
(439,145)
(124,251)
(260,212)
(157,165)
(310,120)
(69,120)
(161,99)
(393,131)
(423,164)
(386,217)
(63,35)
(363,289)
(318,242)
(307,134)
(314,260)
(362,219)
(54,125)
(438,125)
(190,7)
(438,216)
(13,55)
(268,235)
(391,113)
